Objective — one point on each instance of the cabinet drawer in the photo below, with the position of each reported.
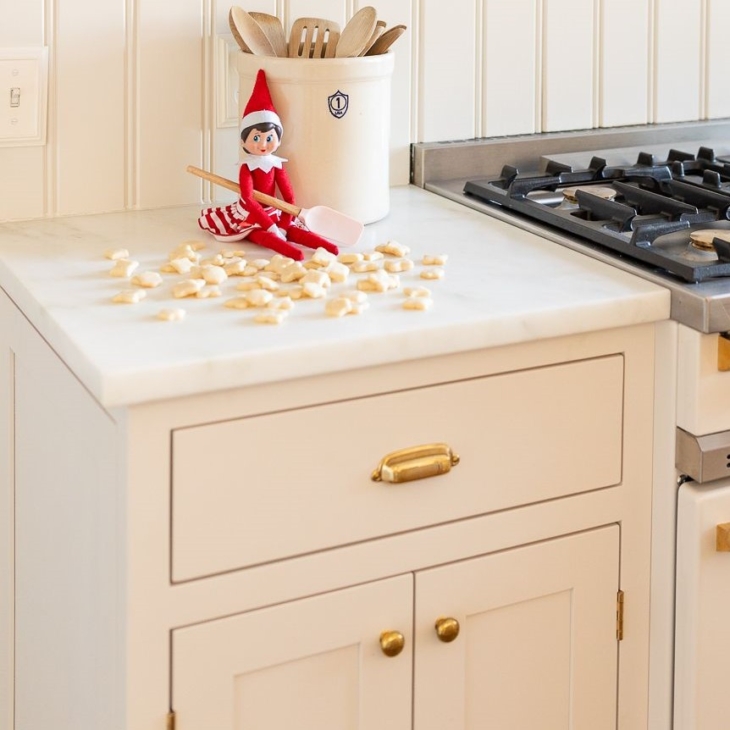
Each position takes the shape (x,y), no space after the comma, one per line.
(272,486)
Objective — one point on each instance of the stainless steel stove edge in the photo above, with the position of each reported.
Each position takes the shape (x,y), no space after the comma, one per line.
(484,157)
(704,307)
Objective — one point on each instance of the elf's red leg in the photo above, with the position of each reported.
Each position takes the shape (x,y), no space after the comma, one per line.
(271,240)
(310,239)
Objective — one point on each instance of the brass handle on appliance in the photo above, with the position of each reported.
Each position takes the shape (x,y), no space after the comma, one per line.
(415,462)
(723,352)
(392,643)
(447,629)
(722,538)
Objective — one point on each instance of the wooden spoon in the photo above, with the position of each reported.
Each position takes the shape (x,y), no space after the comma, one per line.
(313,38)
(273,30)
(386,40)
(379,28)
(250,32)
(241,43)
(357,33)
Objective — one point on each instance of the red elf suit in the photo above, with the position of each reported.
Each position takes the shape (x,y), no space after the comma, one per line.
(247,218)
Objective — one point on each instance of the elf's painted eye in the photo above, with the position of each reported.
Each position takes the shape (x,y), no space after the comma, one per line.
(270,139)
(256,138)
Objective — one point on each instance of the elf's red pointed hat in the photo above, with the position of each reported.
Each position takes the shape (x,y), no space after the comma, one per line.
(260,108)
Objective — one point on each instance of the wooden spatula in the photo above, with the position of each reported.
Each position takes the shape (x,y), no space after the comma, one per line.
(325,221)
(313,38)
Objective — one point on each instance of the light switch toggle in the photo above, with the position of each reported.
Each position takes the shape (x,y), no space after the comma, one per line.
(15,97)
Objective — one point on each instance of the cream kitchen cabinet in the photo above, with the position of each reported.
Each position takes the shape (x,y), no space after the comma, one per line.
(313,664)
(226,560)
(325,662)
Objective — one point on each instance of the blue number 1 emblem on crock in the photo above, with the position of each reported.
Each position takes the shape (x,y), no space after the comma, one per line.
(338,104)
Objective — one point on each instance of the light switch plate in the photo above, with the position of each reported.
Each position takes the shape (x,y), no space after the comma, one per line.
(23,96)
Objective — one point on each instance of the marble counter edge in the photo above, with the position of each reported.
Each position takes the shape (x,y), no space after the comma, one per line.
(127,389)
(118,387)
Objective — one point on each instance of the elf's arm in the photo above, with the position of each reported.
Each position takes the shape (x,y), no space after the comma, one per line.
(256,214)
(287,193)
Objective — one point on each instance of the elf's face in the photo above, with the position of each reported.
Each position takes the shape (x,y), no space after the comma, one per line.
(261,143)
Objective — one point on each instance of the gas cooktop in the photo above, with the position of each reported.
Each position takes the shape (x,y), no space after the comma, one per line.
(673,213)
(652,200)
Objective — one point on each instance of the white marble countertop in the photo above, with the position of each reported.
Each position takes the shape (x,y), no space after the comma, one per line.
(502,286)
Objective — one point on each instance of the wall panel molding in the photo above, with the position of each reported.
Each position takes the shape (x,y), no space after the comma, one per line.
(624,54)
(717,59)
(678,53)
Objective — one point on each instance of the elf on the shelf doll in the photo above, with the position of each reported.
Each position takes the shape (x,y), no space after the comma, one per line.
(261,170)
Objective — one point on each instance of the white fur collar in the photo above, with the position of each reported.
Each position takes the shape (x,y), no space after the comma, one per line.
(262,162)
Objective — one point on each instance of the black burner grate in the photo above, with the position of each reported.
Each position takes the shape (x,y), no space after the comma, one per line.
(655,207)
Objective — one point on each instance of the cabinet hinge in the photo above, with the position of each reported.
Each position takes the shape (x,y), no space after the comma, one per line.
(619,615)
(170,721)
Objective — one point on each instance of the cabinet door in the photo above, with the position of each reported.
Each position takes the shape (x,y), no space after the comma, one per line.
(313,664)
(537,643)
(702,639)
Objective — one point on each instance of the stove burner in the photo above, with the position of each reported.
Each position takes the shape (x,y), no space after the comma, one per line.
(671,213)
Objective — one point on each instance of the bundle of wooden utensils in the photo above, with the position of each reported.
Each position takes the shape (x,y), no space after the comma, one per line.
(263,35)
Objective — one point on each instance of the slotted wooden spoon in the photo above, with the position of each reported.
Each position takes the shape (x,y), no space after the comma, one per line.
(313,38)
(356,34)
(273,30)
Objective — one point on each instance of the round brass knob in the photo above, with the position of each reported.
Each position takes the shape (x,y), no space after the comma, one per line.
(392,643)
(447,629)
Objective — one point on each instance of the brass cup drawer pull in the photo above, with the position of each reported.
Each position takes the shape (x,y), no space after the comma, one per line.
(392,643)
(415,462)
(722,538)
(447,629)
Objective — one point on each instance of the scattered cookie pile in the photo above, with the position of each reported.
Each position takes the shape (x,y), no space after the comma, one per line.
(270,287)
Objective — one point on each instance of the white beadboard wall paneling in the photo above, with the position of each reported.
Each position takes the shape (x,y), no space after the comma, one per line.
(568,64)
(510,67)
(717,96)
(171,115)
(446,70)
(22,23)
(87,130)
(131,182)
(678,67)
(624,63)
(22,183)
(22,169)
(398,12)
(208,84)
